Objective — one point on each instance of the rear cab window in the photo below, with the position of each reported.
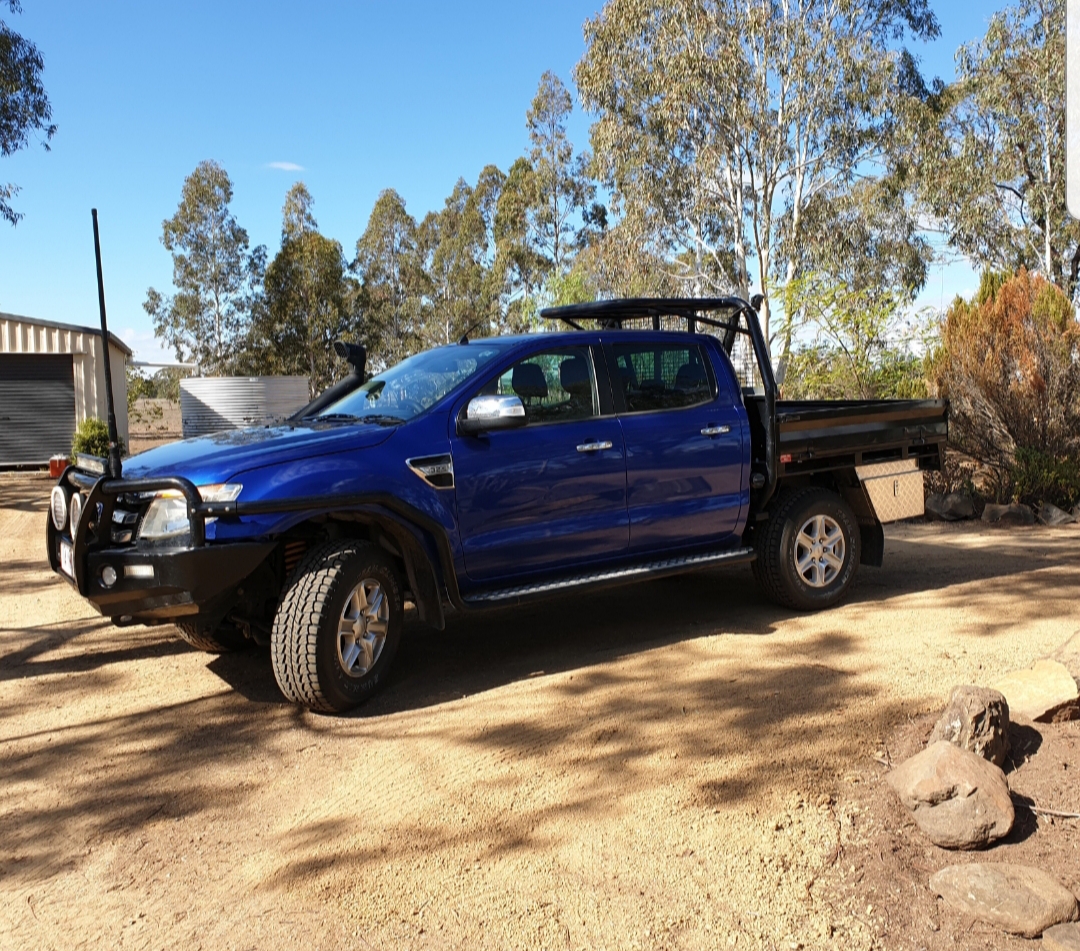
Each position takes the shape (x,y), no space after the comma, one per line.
(653,376)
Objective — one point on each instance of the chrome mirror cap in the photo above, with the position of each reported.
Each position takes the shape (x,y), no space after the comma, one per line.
(492,412)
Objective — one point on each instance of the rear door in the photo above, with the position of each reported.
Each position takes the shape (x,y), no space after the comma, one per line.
(685,443)
(550,496)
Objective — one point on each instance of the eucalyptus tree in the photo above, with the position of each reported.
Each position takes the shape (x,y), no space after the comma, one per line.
(24,104)
(519,267)
(561,183)
(218,279)
(308,299)
(459,252)
(394,287)
(992,148)
(728,117)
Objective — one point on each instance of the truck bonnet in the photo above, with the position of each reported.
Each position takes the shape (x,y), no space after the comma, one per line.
(220,456)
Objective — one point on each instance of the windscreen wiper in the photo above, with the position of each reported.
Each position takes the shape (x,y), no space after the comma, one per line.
(332,418)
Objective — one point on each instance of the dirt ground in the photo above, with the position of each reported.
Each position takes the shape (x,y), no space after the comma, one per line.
(152,423)
(677,764)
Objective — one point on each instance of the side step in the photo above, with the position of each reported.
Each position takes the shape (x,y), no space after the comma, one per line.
(652,569)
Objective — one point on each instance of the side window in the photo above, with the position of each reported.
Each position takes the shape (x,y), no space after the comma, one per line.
(555,386)
(662,376)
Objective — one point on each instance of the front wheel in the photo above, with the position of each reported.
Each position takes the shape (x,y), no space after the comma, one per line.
(809,550)
(338,626)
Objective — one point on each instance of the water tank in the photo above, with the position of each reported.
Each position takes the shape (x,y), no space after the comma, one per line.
(209,404)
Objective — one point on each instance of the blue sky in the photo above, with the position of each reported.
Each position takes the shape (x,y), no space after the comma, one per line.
(357,96)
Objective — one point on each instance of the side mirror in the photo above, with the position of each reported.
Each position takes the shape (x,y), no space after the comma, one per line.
(485,413)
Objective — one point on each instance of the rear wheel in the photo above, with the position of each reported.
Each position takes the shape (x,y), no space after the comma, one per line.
(809,549)
(214,640)
(338,626)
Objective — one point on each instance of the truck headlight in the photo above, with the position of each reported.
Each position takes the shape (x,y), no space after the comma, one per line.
(167,516)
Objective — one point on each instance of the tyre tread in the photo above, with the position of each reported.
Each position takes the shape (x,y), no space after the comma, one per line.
(300,615)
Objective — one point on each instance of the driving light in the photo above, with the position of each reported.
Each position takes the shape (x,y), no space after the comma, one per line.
(58,506)
(108,576)
(76,511)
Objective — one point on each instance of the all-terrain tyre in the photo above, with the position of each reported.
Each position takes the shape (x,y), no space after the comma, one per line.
(809,549)
(338,626)
(214,640)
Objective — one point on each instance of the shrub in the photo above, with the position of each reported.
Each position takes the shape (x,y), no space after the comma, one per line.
(1039,477)
(92,438)
(1010,365)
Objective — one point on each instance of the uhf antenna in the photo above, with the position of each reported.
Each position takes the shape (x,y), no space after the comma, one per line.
(114,466)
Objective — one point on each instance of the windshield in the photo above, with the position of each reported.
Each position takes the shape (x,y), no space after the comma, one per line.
(414,385)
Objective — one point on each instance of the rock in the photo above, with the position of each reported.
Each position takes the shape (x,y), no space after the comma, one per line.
(957,798)
(1052,515)
(951,507)
(1015,514)
(977,720)
(1017,898)
(1046,693)
(1064,937)
(1075,511)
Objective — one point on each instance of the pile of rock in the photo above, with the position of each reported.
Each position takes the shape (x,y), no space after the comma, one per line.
(955,506)
(959,797)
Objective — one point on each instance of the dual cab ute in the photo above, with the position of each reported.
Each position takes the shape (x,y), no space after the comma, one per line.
(494,471)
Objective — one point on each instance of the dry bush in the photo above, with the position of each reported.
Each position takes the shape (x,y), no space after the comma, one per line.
(1010,365)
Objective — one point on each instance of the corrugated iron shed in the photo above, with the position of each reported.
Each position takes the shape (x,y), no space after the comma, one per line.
(51,378)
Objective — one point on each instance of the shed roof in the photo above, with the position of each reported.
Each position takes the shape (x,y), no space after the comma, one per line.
(79,328)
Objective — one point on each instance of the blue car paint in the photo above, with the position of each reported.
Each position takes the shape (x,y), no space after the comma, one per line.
(526,501)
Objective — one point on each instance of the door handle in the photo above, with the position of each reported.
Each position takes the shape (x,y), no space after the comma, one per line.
(594,446)
(715,430)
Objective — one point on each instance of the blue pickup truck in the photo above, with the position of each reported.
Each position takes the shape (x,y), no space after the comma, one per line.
(493,471)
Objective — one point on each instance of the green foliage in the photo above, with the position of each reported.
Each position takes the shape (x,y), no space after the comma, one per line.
(719,125)
(561,181)
(990,148)
(861,344)
(163,385)
(394,285)
(1041,477)
(459,249)
(309,301)
(24,104)
(218,281)
(92,438)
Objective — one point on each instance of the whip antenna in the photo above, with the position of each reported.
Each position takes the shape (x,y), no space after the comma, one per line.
(114,467)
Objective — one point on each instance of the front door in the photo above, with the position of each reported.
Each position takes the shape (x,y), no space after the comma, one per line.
(550,496)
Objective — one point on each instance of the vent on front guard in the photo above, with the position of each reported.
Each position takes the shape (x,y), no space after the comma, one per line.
(436,471)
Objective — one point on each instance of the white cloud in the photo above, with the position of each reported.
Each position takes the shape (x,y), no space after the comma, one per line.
(286,166)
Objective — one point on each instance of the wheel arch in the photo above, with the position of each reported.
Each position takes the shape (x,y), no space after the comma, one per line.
(413,549)
(845,483)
